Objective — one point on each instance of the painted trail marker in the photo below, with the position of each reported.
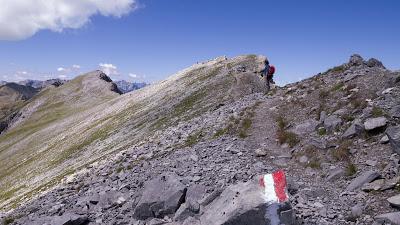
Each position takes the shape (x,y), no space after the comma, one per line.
(274,188)
(274,185)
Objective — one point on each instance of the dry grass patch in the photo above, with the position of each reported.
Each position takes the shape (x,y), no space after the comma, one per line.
(283,135)
(342,153)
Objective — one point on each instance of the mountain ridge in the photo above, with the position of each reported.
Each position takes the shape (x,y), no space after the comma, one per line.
(212,128)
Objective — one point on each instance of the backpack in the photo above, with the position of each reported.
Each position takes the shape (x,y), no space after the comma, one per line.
(271,70)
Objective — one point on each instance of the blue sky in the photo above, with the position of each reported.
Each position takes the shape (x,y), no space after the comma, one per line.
(158,38)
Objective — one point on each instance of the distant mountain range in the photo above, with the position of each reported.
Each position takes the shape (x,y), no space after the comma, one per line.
(39,84)
(126,86)
(123,85)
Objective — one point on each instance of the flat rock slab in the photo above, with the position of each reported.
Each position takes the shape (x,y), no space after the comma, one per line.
(161,196)
(388,218)
(375,123)
(394,201)
(243,203)
(364,178)
(306,127)
(335,174)
(373,186)
(69,219)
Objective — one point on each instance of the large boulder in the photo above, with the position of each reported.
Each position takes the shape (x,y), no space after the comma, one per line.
(394,200)
(191,207)
(332,122)
(364,178)
(69,219)
(395,111)
(375,123)
(306,127)
(354,130)
(388,218)
(356,60)
(393,134)
(162,196)
(244,203)
(372,62)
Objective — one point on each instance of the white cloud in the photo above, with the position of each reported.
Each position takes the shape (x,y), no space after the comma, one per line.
(108,69)
(21,19)
(62,76)
(20,75)
(133,75)
(77,67)
(73,68)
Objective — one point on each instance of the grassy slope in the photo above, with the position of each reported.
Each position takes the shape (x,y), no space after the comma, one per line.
(70,130)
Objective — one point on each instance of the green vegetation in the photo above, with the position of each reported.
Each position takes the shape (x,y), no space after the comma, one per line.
(8,220)
(283,135)
(187,103)
(119,168)
(323,94)
(193,138)
(336,69)
(160,123)
(350,87)
(351,169)
(288,137)
(314,163)
(358,102)
(221,132)
(241,125)
(281,122)
(348,117)
(5,195)
(313,155)
(322,131)
(97,135)
(247,120)
(337,87)
(245,126)
(377,112)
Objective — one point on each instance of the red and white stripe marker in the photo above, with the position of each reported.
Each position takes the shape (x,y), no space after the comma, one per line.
(274,187)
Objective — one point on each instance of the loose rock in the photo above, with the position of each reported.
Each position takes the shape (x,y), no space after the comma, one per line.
(375,123)
(162,196)
(362,179)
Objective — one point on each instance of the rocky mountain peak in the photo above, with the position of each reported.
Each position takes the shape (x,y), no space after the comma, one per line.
(97,81)
(357,61)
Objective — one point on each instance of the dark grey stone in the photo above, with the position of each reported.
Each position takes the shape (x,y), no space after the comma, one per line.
(354,130)
(161,196)
(388,218)
(335,174)
(69,219)
(393,134)
(332,122)
(364,178)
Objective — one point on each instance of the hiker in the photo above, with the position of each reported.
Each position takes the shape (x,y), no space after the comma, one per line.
(268,73)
